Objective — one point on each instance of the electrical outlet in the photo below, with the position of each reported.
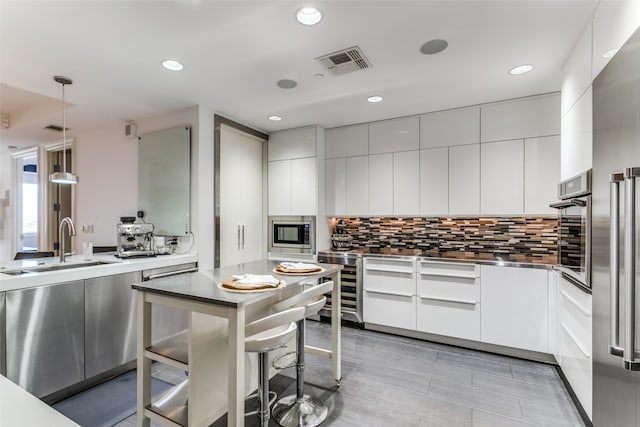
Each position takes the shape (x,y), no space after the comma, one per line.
(87,228)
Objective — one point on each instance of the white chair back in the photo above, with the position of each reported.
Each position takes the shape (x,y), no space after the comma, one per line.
(303,298)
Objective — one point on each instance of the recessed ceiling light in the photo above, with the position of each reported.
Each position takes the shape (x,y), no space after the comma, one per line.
(287,83)
(172,64)
(434,46)
(374,98)
(275,118)
(610,53)
(521,69)
(308,16)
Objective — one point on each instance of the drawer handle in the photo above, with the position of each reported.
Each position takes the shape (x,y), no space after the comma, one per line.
(398,294)
(388,270)
(456,300)
(455,264)
(170,273)
(461,276)
(575,340)
(576,304)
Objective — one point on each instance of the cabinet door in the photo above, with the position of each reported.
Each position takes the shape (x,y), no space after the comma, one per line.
(502,183)
(389,292)
(406,183)
(347,141)
(514,307)
(357,196)
(335,187)
(45,337)
(577,137)
(110,332)
(521,118)
(292,144)
(3,329)
(464,180)
(449,300)
(279,176)
(381,184)
(303,186)
(389,136)
(541,174)
(434,181)
(460,126)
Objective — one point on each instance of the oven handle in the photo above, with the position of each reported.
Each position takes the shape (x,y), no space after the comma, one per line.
(614,264)
(562,204)
(628,358)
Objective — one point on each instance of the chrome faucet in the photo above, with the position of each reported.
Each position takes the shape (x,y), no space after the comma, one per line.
(72,232)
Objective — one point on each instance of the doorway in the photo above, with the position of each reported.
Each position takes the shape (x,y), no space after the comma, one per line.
(27,207)
(240,186)
(58,199)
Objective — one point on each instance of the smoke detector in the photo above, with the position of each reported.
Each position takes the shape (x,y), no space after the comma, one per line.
(345,61)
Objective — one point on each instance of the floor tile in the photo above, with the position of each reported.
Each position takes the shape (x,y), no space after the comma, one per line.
(476,398)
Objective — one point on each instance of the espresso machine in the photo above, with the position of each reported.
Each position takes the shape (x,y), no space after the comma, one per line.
(134,239)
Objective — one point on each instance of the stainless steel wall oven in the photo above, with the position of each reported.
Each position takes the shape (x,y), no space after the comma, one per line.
(574,229)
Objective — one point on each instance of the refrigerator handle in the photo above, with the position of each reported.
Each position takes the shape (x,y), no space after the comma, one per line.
(239,239)
(629,359)
(614,263)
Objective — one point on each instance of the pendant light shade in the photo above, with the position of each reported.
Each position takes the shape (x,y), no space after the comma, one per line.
(63,177)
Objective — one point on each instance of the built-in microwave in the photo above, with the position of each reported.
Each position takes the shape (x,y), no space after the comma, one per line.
(292,234)
(574,229)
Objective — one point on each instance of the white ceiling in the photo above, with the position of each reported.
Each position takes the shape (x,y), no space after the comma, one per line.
(235,51)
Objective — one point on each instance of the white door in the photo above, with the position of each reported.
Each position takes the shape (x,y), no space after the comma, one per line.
(241,217)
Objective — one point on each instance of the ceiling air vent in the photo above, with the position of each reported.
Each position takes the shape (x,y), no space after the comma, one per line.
(345,61)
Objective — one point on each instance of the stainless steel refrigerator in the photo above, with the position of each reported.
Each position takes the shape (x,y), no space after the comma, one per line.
(615,240)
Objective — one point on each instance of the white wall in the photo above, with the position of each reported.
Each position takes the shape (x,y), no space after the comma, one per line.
(6,204)
(612,23)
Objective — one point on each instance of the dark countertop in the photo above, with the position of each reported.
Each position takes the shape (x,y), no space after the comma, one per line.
(203,285)
(507,260)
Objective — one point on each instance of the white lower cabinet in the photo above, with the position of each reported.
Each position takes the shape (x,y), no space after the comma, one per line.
(449,299)
(575,340)
(515,307)
(389,292)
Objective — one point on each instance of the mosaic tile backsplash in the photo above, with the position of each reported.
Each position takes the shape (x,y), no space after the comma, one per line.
(528,236)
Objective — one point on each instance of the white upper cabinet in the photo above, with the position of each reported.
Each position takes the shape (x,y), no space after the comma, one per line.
(347,141)
(357,178)
(541,174)
(521,118)
(335,187)
(434,181)
(406,183)
(464,180)
(292,144)
(394,135)
(279,176)
(577,71)
(502,173)
(381,184)
(577,137)
(460,126)
(613,24)
(303,186)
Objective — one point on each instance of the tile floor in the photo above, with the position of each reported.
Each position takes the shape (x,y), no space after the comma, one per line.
(396,381)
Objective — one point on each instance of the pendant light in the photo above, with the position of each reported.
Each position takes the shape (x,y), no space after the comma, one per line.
(63,177)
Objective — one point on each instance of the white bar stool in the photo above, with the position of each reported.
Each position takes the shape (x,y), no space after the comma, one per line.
(301,410)
(264,335)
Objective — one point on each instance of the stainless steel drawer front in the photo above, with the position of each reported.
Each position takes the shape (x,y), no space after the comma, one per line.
(45,337)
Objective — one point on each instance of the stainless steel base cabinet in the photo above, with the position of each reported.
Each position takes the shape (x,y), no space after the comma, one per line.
(3,342)
(45,337)
(110,322)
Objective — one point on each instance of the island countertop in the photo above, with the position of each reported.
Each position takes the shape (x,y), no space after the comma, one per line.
(203,285)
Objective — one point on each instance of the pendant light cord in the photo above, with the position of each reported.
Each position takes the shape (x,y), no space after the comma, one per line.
(64,134)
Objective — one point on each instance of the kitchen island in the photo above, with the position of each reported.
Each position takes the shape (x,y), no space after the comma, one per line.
(213,351)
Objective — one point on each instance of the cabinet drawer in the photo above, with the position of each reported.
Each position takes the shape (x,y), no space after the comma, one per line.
(395,310)
(575,362)
(396,276)
(449,269)
(452,317)
(575,314)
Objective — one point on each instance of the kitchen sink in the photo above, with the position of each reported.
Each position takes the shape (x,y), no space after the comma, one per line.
(52,267)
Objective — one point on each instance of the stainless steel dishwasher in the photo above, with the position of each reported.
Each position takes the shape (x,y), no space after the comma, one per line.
(351,284)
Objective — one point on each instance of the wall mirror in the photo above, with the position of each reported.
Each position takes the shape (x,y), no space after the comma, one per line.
(164,165)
